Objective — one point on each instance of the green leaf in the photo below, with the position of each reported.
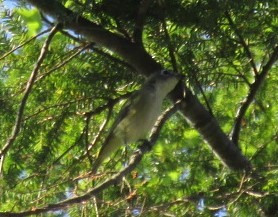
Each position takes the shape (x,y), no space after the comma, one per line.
(31,18)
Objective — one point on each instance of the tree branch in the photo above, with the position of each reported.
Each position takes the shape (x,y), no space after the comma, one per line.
(140,19)
(211,132)
(254,87)
(131,52)
(29,85)
(134,161)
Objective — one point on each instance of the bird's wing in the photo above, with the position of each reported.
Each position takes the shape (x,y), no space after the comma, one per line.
(125,110)
(110,142)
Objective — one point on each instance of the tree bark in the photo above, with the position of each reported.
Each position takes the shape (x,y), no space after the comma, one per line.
(144,64)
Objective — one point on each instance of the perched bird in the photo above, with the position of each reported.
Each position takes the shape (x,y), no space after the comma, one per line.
(139,114)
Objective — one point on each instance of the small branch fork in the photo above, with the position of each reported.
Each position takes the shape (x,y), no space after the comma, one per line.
(254,87)
(29,85)
(134,161)
(243,43)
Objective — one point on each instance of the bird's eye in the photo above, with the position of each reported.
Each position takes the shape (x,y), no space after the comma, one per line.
(166,72)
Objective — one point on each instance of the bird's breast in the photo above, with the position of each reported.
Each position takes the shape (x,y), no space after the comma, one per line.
(142,117)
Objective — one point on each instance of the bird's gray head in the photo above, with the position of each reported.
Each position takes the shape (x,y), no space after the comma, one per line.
(164,81)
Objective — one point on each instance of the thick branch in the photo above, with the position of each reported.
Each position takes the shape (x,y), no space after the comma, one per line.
(208,127)
(259,79)
(131,52)
(140,19)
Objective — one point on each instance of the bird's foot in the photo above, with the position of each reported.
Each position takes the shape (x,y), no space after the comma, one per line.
(145,145)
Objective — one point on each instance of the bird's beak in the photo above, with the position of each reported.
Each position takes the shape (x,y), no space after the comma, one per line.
(179,76)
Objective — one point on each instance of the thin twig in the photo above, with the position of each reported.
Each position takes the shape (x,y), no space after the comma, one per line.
(24,43)
(64,62)
(97,136)
(254,87)
(29,85)
(168,39)
(239,73)
(194,70)
(59,65)
(88,116)
(111,102)
(243,43)
(100,52)
(102,127)
(62,105)
(161,121)
(120,28)
(202,92)
(262,147)
(134,161)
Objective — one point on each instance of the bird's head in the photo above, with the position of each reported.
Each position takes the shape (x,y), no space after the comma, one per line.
(164,81)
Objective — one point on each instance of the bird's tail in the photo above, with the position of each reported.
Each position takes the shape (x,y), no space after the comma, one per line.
(110,145)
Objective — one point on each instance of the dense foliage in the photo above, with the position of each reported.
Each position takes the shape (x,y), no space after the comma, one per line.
(57,121)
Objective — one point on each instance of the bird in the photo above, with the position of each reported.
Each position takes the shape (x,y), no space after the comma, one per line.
(139,114)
